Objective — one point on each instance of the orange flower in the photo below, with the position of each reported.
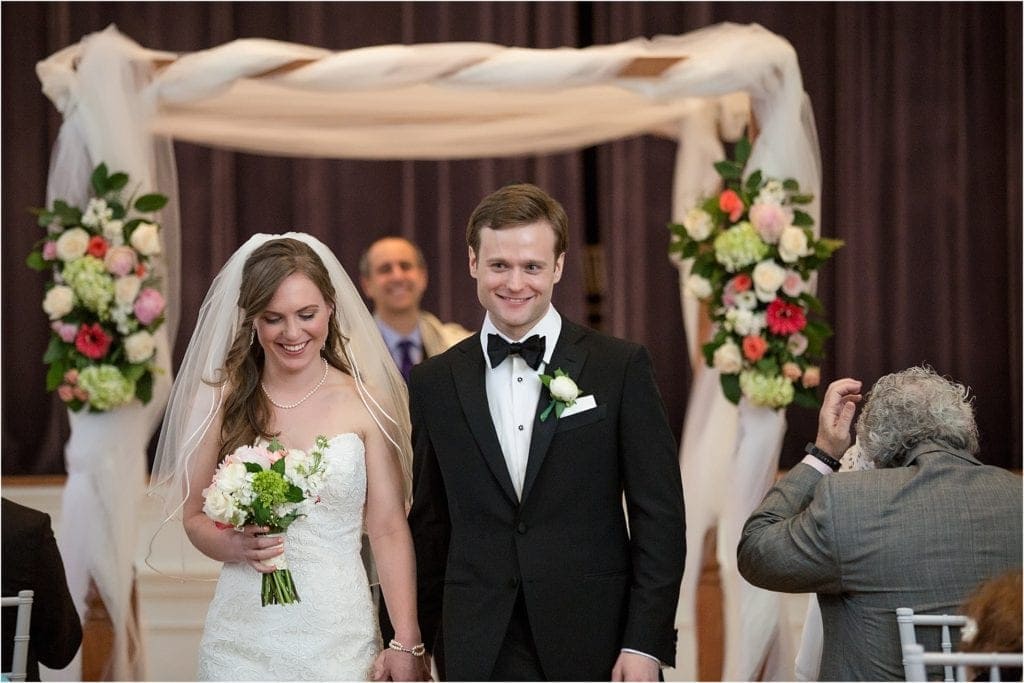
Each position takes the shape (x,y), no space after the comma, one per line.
(731,203)
(754,347)
(97,246)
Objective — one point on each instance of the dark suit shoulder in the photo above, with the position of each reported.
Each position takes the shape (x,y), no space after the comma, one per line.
(598,342)
(19,520)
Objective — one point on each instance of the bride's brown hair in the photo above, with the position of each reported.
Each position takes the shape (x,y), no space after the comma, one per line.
(247,412)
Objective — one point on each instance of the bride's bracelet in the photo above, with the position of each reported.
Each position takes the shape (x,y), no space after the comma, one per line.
(415,650)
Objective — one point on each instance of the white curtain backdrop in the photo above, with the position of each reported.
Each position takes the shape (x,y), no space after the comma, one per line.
(123,104)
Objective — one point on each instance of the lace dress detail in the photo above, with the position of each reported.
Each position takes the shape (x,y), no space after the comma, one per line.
(332,633)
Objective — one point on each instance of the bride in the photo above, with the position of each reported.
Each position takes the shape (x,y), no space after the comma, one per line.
(285,348)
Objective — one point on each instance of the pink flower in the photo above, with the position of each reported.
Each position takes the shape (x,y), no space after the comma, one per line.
(741,282)
(731,203)
(81,394)
(754,347)
(812,377)
(769,220)
(97,246)
(791,371)
(92,342)
(276,455)
(254,454)
(120,260)
(66,331)
(50,250)
(796,344)
(71,376)
(66,393)
(784,318)
(793,285)
(148,305)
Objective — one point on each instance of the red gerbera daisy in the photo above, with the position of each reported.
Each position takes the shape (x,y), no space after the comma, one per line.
(784,318)
(92,341)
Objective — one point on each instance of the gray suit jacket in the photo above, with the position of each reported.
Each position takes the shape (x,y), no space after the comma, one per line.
(921,536)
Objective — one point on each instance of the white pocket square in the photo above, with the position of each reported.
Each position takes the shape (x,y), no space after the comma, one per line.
(583,403)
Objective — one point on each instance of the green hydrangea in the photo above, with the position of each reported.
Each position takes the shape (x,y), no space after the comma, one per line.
(270,488)
(92,284)
(739,246)
(107,387)
(768,391)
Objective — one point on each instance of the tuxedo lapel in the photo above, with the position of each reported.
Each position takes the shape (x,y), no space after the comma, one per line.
(468,369)
(569,357)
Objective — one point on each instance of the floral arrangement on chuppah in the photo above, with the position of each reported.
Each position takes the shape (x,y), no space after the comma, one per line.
(104,301)
(754,252)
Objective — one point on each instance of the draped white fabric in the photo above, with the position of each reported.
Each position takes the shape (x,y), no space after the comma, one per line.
(123,104)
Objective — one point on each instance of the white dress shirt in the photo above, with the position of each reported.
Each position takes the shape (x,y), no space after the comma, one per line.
(513,389)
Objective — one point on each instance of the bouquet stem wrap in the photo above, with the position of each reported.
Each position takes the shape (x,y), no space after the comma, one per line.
(278,586)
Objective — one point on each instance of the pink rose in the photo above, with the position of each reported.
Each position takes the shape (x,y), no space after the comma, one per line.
(791,371)
(793,285)
(66,331)
(148,305)
(254,454)
(120,260)
(66,393)
(769,220)
(71,376)
(730,203)
(275,456)
(812,377)
(50,250)
(80,393)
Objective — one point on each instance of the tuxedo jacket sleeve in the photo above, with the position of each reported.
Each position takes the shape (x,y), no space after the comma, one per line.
(31,561)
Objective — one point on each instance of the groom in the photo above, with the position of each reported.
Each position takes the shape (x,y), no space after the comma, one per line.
(528,566)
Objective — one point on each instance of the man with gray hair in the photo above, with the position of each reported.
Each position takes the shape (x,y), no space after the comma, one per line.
(920,531)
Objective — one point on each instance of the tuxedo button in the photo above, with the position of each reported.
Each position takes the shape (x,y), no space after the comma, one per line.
(519,379)
(521,527)
(521,427)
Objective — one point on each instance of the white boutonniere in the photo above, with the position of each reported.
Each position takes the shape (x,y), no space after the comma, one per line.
(563,393)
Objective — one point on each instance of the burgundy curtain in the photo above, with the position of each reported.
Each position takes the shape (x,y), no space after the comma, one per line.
(918,109)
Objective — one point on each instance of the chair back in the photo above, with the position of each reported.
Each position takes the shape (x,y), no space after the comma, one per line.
(19,662)
(908,622)
(915,659)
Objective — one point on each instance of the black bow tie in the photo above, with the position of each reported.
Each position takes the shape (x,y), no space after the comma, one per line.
(531,350)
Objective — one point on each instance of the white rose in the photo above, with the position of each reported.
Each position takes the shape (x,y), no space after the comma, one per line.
(792,244)
(146,239)
(126,289)
(746,300)
(727,359)
(768,277)
(72,244)
(220,507)
(139,346)
(698,287)
(232,477)
(59,301)
(698,223)
(563,389)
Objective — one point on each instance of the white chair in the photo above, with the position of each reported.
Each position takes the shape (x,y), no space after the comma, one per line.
(907,622)
(915,659)
(19,662)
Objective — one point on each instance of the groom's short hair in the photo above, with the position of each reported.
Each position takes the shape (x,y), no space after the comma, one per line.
(516,205)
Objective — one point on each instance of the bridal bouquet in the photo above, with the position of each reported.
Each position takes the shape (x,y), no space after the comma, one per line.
(753,254)
(104,303)
(267,486)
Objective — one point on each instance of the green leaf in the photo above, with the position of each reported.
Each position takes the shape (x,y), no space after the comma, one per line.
(261,513)
(825,247)
(117,181)
(150,202)
(729,170)
(278,466)
(754,182)
(294,494)
(56,350)
(117,211)
(812,302)
(100,180)
(742,151)
(805,398)
(45,218)
(801,218)
(547,411)
(559,408)
(801,198)
(791,185)
(55,375)
(252,467)
(35,261)
(144,388)
(133,372)
(731,387)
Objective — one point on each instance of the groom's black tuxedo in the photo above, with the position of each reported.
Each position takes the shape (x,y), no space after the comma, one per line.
(590,585)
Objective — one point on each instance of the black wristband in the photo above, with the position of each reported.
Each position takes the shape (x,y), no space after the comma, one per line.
(821,455)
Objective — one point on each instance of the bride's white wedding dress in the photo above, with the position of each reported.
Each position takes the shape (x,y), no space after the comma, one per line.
(332,633)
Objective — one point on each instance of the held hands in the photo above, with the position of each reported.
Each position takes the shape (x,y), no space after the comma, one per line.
(633,667)
(392,665)
(254,548)
(836,416)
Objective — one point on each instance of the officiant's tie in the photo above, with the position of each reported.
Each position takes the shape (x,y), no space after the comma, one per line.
(531,350)
(405,363)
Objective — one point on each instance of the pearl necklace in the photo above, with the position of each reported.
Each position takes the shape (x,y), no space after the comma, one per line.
(302,400)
